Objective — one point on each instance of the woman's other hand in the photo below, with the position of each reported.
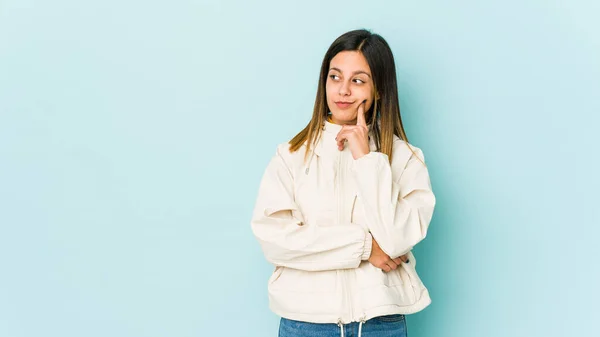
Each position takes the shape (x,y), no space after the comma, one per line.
(383,261)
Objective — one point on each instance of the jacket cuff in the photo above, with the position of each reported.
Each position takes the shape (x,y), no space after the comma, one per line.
(367,247)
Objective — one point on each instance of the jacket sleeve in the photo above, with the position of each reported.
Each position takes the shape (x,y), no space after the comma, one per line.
(287,241)
(398,200)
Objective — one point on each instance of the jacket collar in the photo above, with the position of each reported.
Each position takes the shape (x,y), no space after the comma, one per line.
(327,143)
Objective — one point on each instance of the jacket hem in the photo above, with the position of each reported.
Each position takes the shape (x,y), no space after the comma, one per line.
(388,309)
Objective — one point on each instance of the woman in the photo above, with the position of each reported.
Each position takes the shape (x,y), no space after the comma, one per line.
(342,204)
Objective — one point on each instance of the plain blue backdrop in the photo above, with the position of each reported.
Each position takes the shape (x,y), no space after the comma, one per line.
(133,135)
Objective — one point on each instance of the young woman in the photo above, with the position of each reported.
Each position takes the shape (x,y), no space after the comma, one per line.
(342,204)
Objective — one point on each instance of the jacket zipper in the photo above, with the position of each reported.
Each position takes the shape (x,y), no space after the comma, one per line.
(341,218)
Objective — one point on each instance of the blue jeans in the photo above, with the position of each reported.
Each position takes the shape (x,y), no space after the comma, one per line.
(382,326)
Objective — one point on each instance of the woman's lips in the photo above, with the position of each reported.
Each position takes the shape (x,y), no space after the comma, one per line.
(343,105)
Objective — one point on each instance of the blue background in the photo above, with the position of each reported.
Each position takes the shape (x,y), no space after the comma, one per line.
(133,135)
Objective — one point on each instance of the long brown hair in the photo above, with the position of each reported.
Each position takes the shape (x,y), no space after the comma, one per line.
(384,115)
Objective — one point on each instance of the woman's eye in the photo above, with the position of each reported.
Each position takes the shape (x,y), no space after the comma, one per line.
(356,80)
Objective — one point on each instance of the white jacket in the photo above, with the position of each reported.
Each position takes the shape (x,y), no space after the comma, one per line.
(315,222)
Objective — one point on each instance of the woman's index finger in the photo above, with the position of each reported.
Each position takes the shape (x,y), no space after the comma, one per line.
(360,119)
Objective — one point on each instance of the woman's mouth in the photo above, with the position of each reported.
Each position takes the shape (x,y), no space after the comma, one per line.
(343,105)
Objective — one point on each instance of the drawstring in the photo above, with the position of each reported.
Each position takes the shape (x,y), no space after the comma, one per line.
(362,320)
(313,152)
(309,161)
(341,325)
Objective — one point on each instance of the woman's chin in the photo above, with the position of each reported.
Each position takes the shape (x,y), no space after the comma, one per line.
(344,119)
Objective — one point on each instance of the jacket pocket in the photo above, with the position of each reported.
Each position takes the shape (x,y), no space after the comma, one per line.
(305,292)
(353,212)
(301,281)
(370,276)
(276,274)
(415,285)
(357,212)
(409,266)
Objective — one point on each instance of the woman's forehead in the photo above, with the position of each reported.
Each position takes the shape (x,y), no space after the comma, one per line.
(350,62)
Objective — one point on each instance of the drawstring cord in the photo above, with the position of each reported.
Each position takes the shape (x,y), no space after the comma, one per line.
(341,325)
(362,320)
(309,161)
(313,152)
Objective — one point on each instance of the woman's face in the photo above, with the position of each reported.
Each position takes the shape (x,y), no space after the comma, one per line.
(349,82)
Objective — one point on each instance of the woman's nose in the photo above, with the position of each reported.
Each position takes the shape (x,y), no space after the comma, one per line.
(345,89)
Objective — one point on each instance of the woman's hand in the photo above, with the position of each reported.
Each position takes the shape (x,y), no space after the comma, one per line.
(357,136)
(381,260)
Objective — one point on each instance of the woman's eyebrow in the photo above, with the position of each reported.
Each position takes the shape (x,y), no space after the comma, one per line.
(354,73)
